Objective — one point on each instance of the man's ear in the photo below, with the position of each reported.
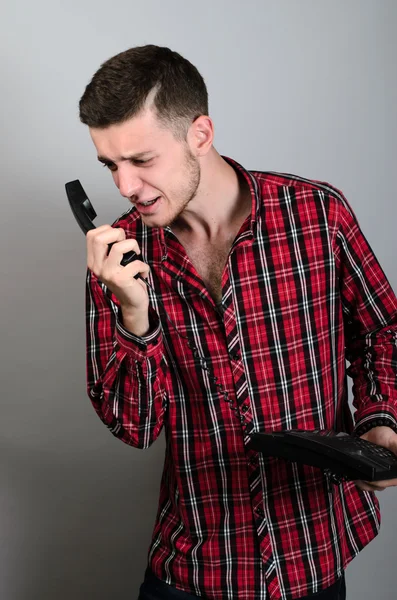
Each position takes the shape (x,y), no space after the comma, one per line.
(201,135)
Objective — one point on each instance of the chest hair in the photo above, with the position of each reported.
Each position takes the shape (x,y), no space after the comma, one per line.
(209,261)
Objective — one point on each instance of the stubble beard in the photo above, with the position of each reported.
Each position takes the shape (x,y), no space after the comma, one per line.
(189,192)
(186,193)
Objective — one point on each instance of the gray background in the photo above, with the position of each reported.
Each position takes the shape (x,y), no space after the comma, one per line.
(305,87)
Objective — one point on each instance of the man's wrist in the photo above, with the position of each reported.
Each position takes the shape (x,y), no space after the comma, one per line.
(376,422)
(136,322)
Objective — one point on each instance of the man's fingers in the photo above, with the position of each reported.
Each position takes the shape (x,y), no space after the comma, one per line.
(383,484)
(368,486)
(105,234)
(98,241)
(119,249)
(135,267)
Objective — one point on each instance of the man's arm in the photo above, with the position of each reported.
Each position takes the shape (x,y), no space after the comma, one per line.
(125,372)
(126,367)
(370,316)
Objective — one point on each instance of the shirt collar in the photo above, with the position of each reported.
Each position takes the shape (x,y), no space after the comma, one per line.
(255,201)
(254,189)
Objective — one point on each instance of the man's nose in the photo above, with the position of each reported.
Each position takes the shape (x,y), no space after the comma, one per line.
(129,181)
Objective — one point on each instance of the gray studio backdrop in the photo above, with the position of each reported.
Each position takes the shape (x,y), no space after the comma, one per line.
(304,87)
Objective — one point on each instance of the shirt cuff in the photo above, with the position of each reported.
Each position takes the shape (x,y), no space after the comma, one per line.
(377,414)
(140,347)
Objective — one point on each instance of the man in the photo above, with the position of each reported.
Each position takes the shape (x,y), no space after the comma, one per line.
(270,285)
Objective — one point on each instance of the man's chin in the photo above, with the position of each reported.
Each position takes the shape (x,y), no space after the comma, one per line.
(155,221)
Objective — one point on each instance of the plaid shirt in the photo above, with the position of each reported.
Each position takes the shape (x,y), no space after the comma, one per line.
(301,292)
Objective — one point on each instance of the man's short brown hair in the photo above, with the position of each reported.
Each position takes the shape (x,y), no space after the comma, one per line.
(123,85)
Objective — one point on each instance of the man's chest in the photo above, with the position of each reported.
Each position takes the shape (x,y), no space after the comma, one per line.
(209,261)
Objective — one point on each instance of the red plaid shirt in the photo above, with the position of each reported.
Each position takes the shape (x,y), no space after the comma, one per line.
(301,292)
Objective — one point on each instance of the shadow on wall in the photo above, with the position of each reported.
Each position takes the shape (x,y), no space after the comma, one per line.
(78,526)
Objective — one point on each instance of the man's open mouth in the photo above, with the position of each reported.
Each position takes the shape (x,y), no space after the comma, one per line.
(149,202)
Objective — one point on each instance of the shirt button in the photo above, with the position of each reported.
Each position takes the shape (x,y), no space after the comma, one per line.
(234,355)
(259,511)
(244,408)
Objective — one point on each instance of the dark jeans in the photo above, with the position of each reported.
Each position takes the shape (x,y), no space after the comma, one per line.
(155,589)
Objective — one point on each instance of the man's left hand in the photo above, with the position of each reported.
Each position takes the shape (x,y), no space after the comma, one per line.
(386,437)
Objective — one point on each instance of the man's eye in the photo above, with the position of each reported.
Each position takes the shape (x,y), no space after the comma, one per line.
(141,162)
(110,166)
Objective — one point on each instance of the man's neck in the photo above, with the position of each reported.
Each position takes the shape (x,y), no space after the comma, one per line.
(221,205)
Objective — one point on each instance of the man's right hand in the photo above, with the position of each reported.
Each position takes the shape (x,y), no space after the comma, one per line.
(131,293)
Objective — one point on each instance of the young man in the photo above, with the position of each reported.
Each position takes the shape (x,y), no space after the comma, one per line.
(271,285)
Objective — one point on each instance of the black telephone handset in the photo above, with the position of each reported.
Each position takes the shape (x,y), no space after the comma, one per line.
(342,456)
(84,214)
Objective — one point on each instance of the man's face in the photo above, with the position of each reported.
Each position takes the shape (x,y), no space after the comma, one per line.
(157,173)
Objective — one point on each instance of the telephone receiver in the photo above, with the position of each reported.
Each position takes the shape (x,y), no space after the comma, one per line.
(84,214)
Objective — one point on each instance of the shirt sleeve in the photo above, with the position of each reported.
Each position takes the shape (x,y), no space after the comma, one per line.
(125,373)
(370,322)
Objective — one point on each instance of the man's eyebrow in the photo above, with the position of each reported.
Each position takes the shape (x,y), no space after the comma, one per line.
(137,156)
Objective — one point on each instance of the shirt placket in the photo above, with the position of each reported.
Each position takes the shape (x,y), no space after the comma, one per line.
(255,462)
